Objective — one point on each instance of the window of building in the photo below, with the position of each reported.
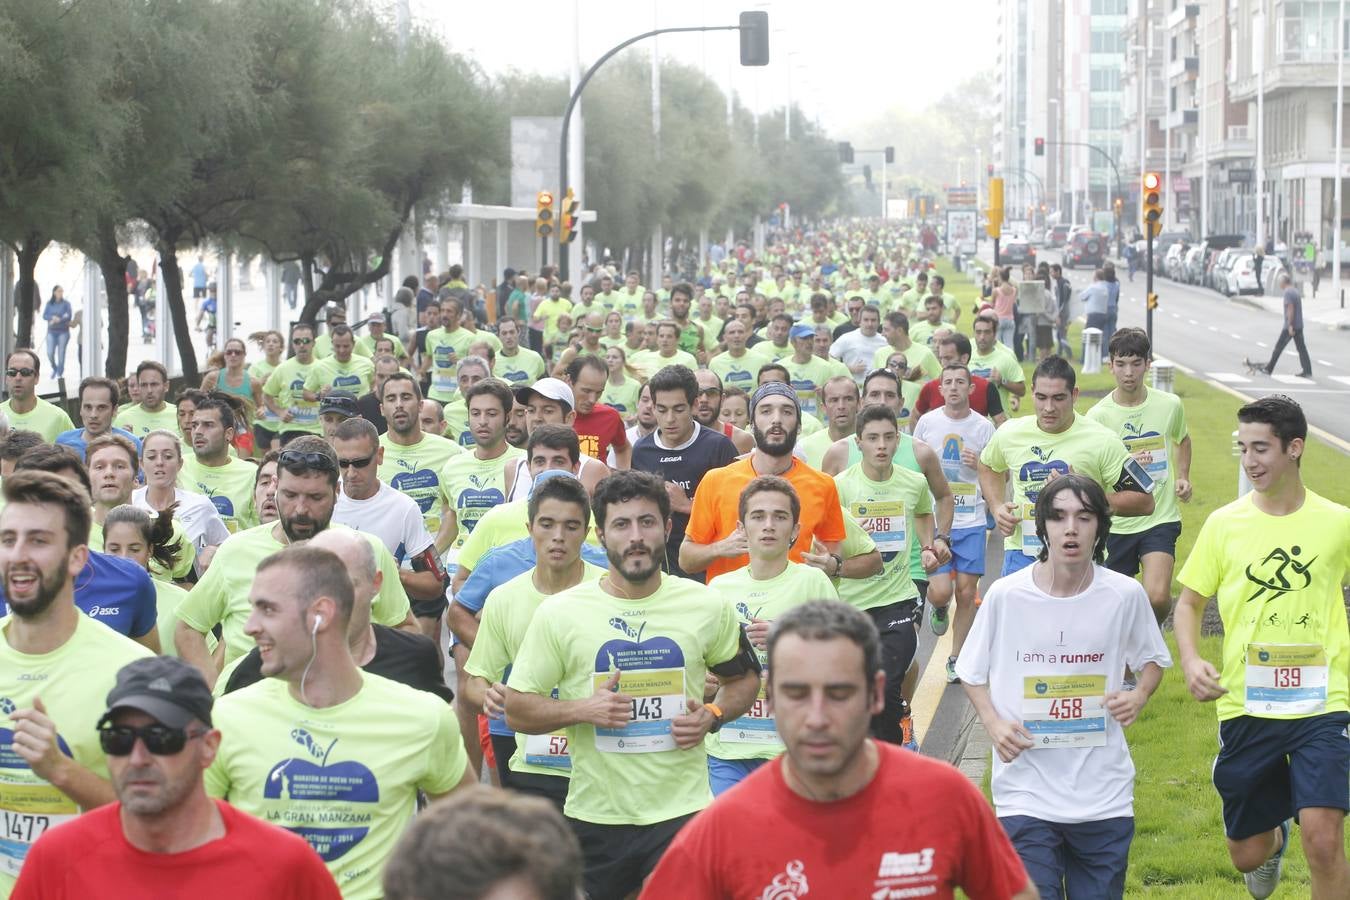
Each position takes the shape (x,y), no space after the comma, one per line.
(1108,40)
(1305,30)
(1105,79)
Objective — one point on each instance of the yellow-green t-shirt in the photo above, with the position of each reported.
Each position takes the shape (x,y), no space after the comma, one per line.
(712,327)
(140,421)
(507,612)
(415,470)
(497,527)
(187,555)
(915,355)
(168,597)
(445,349)
(1031,454)
(1278,583)
(344,777)
(886,511)
(222,595)
(550,311)
(1150,432)
(73,681)
(472,486)
(622,397)
(663,645)
(286,386)
(355,375)
(807,379)
(753,736)
(323,347)
(47,419)
(738,372)
(526,367)
(814,447)
(365,346)
(228,487)
(649,362)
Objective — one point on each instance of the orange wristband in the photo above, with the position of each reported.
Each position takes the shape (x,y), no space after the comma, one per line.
(714,709)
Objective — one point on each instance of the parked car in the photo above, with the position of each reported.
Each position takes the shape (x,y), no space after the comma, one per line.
(1242,274)
(1057,236)
(1161,244)
(1193,264)
(1217,277)
(1085,248)
(1174,261)
(1015,251)
(1037,237)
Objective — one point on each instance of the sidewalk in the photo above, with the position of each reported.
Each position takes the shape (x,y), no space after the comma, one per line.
(1322,311)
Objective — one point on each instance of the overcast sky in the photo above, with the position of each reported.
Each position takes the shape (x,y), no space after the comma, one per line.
(849,58)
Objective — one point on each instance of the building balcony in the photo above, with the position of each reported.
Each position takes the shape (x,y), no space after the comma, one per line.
(1183,66)
(1181,118)
(1183,12)
(1287,75)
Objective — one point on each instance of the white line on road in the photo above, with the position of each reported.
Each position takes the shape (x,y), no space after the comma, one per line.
(1192,322)
(1236,337)
(1296,390)
(1214,328)
(1323,362)
(1343,379)
(1292,379)
(1229,377)
(1262,344)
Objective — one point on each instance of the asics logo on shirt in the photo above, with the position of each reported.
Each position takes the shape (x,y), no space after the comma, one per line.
(104,610)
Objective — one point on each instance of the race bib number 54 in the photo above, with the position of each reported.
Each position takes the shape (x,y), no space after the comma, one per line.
(657,698)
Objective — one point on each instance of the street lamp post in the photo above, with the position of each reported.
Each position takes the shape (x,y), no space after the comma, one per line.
(754,29)
(1340,124)
(1112,163)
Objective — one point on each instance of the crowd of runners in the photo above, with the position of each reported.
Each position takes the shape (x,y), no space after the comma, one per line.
(676,546)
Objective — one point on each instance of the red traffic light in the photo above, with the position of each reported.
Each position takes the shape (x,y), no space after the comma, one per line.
(1152,182)
(545,198)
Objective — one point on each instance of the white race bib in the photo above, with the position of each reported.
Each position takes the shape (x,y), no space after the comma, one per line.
(27,810)
(1031,544)
(884,520)
(657,698)
(1286,679)
(547,750)
(1151,453)
(756,726)
(1065,711)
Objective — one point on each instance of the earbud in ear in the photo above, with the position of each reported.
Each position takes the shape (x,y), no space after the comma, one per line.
(318,620)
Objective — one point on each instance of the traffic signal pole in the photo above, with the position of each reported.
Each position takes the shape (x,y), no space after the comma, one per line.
(1149,300)
(754,25)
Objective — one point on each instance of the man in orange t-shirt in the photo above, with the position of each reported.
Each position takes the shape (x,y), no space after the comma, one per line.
(714,542)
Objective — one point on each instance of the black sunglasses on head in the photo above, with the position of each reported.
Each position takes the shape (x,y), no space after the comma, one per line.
(299,460)
(120,740)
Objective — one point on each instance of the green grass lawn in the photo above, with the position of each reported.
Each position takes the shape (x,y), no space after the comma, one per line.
(1178,848)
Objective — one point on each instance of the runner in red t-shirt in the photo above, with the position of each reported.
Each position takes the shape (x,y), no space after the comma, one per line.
(598,426)
(839,815)
(954,349)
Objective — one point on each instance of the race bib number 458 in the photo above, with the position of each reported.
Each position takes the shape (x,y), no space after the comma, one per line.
(1065,710)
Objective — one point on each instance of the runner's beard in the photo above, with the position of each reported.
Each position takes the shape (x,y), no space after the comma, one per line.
(658,560)
(778,450)
(50,585)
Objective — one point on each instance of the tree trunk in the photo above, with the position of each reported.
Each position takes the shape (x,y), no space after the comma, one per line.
(27,295)
(310,310)
(173,295)
(114,267)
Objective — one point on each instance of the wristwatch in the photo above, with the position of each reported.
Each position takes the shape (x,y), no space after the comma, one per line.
(718,718)
(945,538)
(838,564)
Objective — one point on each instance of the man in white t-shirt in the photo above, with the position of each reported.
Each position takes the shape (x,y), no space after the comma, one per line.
(364,503)
(1043,667)
(957,435)
(857,348)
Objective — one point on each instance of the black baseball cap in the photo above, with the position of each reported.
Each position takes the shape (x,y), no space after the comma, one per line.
(343,402)
(164,687)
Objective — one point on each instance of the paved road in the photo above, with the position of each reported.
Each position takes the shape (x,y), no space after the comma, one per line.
(1210,334)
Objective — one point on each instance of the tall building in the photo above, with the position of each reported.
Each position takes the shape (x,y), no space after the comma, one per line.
(1144,96)
(1093,61)
(1289,49)
(1029,87)
(1181,69)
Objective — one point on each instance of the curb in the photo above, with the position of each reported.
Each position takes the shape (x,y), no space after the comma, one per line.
(970,751)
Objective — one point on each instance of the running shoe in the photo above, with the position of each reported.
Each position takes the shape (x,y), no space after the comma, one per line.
(952,677)
(938,620)
(1262,882)
(907,732)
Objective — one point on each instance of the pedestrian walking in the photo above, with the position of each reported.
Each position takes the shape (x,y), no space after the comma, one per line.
(1292,330)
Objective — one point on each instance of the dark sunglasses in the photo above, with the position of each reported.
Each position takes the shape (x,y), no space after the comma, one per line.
(302,341)
(296,459)
(359,462)
(234,352)
(26,372)
(710,392)
(120,740)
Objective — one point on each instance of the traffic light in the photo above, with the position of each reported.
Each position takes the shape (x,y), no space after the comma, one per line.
(543,213)
(1152,301)
(846,153)
(1040,146)
(754,38)
(1119,204)
(890,156)
(995,211)
(567,218)
(1151,203)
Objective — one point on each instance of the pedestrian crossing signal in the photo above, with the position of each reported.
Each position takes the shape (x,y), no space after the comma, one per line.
(567,218)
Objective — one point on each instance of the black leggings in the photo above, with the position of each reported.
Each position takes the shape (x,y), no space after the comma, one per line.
(899,643)
(552,788)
